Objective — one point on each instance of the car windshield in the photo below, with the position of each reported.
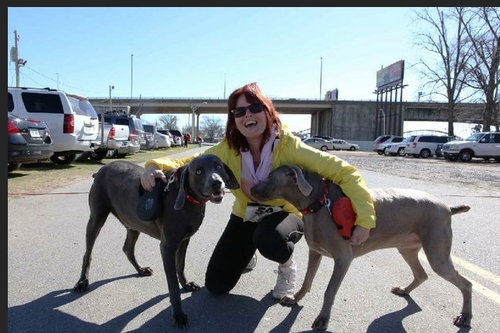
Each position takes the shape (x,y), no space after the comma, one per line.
(474,137)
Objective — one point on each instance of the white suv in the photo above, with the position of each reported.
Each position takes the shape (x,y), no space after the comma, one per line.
(424,145)
(382,141)
(484,145)
(72,120)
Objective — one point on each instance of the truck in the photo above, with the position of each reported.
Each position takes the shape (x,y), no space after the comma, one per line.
(485,145)
(116,142)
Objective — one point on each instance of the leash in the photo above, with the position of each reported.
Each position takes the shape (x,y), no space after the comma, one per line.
(174,176)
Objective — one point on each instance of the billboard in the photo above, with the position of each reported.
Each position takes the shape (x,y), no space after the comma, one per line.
(391,75)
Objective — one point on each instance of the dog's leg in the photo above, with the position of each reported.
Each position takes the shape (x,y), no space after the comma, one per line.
(419,274)
(440,261)
(94,225)
(129,250)
(180,262)
(168,254)
(341,266)
(312,268)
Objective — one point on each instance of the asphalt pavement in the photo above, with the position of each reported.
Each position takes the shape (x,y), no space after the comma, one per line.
(46,243)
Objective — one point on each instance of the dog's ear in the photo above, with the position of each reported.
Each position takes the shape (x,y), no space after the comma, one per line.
(231,181)
(181,196)
(304,187)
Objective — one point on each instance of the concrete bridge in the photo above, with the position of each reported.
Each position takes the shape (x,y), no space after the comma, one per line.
(350,120)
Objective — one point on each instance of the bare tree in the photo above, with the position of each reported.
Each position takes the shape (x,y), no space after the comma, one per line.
(212,128)
(445,72)
(482,25)
(168,121)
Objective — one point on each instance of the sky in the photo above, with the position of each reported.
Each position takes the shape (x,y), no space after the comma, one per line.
(207,52)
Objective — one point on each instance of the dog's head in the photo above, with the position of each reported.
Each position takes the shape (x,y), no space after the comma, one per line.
(205,178)
(282,182)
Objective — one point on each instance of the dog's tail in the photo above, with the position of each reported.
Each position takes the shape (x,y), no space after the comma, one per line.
(459,209)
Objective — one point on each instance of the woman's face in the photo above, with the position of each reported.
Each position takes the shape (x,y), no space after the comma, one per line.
(251,125)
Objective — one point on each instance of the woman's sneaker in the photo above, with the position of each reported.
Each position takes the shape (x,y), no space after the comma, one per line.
(285,283)
(252,263)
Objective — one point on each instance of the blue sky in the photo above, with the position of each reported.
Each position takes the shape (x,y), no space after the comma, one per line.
(210,51)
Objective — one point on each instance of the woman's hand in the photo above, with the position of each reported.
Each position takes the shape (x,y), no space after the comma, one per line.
(148,178)
(359,235)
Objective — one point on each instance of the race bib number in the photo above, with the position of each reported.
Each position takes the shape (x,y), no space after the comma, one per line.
(256,212)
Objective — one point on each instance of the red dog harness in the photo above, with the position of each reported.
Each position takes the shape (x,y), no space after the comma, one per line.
(341,211)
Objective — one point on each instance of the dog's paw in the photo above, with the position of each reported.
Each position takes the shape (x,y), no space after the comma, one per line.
(181,321)
(462,320)
(191,286)
(145,271)
(288,300)
(400,291)
(320,323)
(81,286)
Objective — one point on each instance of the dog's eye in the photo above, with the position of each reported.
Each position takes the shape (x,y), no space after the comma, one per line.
(198,172)
(218,167)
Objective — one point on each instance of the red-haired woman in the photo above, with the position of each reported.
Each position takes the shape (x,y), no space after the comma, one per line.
(255,143)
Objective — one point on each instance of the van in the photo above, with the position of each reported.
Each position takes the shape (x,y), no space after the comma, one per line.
(73,122)
(424,145)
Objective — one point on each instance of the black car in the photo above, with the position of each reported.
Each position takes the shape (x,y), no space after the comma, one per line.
(29,141)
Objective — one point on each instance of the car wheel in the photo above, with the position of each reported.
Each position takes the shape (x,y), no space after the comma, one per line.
(13,166)
(466,155)
(401,152)
(425,153)
(99,154)
(381,152)
(324,148)
(352,148)
(63,159)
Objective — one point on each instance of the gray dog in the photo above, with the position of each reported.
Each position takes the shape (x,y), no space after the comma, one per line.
(116,189)
(408,220)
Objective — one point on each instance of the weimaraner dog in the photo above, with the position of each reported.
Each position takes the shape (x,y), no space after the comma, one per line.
(116,190)
(408,220)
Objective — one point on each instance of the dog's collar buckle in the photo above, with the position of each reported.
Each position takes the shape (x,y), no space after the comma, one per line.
(315,206)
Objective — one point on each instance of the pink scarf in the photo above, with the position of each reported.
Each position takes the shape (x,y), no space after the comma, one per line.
(250,176)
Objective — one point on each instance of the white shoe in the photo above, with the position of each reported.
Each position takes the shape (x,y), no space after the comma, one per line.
(285,283)
(252,263)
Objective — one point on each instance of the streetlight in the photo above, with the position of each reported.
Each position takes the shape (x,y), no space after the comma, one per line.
(320,76)
(131,74)
(193,110)
(110,103)
(383,120)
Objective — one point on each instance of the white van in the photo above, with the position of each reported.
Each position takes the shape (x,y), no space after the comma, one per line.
(72,120)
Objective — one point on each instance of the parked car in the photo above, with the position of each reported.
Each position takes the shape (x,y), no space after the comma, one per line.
(424,146)
(164,140)
(134,124)
(29,141)
(150,135)
(72,120)
(326,137)
(339,144)
(319,143)
(396,149)
(381,142)
(485,145)
(177,137)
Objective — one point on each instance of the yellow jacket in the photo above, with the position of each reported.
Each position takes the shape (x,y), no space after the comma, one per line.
(291,150)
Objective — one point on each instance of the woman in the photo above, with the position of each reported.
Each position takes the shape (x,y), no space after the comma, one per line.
(254,144)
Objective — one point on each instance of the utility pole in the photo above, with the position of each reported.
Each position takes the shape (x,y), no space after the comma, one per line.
(14,57)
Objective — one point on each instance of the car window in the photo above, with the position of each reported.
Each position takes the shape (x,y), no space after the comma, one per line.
(10,102)
(46,103)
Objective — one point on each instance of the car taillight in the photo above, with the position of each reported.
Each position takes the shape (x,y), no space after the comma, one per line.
(111,134)
(69,123)
(414,145)
(11,127)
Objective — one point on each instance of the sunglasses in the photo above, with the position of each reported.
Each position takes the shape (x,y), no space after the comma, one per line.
(242,110)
